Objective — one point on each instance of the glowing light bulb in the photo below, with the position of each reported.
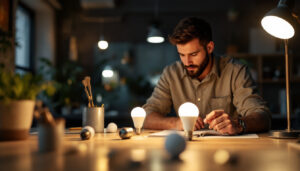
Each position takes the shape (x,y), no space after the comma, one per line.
(102,44)
(107,73)
(278,27)
(156,39)
(138,115)
(188,113)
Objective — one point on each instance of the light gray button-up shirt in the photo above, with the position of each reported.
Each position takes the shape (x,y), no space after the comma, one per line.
(228,86)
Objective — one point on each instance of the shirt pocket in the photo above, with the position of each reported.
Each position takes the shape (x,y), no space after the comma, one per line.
(223,102)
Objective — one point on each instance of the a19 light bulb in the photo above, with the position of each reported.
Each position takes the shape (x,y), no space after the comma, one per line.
(188,113)
(138,115)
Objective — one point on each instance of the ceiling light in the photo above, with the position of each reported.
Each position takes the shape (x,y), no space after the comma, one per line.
(102,44)
(155,35)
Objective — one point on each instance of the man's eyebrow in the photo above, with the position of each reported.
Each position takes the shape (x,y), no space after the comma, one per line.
(194,52)
(180,53)
(189,53)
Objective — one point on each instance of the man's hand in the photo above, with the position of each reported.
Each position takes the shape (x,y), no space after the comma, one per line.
(179,125)
(221,122)
(199,123)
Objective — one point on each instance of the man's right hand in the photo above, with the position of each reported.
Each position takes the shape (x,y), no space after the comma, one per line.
(199,123)
(179,125)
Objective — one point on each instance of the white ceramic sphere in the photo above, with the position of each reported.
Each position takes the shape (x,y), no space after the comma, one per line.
(111,127)
(188,109)
(175,144)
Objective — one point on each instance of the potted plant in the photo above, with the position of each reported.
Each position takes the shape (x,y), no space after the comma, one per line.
(17,100)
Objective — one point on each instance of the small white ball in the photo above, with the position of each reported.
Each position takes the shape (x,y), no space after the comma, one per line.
(175,144)
(112,127)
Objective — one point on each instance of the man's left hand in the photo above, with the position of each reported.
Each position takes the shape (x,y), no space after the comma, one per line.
(222,122)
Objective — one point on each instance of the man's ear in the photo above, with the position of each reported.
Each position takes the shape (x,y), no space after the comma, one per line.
(210,47)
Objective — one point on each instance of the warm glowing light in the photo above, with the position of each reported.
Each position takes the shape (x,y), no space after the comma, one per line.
(155,39)
(188,113)
(188,109)
(138,155)
(138,116)
(102,44)
(107,73)
(278,27)
(138,112)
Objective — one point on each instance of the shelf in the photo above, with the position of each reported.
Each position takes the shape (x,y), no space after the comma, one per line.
(282,116)
(277,81)
(246,55)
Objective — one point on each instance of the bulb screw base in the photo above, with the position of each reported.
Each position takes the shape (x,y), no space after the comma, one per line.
(189,135)
(138,131)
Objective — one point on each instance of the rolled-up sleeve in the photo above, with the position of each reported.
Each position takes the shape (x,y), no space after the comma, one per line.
(160,101)
(245,96)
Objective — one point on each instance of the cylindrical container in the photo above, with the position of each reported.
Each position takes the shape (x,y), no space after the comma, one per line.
(51,136)
(94,117)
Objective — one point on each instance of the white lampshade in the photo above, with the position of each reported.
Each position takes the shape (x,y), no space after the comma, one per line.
(279,21)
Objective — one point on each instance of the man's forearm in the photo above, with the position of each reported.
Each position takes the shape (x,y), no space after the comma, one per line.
(156,121)
(256,122)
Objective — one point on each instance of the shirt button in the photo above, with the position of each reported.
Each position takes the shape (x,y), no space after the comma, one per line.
(198,99)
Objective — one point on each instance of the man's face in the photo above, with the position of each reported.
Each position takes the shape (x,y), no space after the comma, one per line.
(194,57)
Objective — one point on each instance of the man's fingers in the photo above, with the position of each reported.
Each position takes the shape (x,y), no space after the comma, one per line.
(200,121)
(197,126)
(221,127)
(218,120)
(212,115)
(215,121)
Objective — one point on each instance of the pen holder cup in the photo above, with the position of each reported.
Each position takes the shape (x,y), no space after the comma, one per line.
(94,117)
(50,137)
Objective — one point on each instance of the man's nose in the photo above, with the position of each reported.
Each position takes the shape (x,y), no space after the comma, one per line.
(188,60)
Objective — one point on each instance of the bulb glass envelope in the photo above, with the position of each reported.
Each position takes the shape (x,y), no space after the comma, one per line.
(188,113)
(102,43)
(107,72)
(155,35)
(138,115)
(279,22)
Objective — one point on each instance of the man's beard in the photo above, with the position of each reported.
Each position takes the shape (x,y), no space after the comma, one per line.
(200,68)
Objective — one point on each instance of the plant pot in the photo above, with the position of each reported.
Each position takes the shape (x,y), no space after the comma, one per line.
(16,119)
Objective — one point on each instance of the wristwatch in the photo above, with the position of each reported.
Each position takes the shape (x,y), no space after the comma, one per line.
(242,124)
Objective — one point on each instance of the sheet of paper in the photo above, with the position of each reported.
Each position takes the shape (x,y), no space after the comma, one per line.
(202,134)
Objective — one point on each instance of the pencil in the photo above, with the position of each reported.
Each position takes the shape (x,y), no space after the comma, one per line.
(75,128)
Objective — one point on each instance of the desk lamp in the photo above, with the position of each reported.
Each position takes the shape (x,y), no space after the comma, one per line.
(279,23)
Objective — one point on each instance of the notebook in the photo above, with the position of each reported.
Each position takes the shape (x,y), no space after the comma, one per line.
(202,133)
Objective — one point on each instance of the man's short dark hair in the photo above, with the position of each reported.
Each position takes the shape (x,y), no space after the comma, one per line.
(190,28)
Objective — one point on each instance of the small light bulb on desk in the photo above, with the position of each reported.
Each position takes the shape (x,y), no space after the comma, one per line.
(138,115)
(112,128)
(188,113)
